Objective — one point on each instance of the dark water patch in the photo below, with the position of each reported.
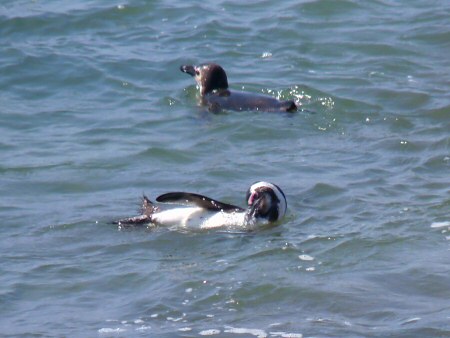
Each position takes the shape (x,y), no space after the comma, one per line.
(435,35)
(321,190)
(34,75)
(412,281)
(50,23)
(439,114)
(169,156)
(402,101)
(328,8)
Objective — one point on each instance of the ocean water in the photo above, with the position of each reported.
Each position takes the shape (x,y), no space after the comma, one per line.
(94,112)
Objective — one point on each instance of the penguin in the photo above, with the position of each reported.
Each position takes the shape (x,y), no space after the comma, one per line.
(266,204)
(215,94)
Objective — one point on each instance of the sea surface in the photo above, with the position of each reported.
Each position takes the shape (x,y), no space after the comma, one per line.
(94,113)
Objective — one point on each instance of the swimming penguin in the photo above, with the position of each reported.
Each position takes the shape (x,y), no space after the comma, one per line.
(266,203)
(213,83)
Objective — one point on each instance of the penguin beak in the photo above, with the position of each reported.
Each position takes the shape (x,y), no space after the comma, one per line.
(188,69)
(257,205)
(259,202)
(253,197)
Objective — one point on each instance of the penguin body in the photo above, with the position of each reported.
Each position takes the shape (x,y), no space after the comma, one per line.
(266,203)
(215,94)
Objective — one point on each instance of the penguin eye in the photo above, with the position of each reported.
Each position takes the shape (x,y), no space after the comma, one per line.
(197,73)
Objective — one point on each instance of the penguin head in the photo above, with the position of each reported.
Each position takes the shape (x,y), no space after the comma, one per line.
(209,76)
(267,201)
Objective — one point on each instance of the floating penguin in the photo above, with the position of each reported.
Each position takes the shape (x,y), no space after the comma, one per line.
(213,83)
(266,203)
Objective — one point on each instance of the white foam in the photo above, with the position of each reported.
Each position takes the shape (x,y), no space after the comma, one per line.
(411,78)
(275,324)
(185,329)
(411,320)
(239,330)
(306,257)
(286,334)
(172,319)
(143,328)
(439,224)
(210,332)
(108,330)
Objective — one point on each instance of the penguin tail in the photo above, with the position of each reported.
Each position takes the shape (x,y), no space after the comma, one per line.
(147,210)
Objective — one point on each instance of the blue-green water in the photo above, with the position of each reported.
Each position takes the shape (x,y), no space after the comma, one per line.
(94,112)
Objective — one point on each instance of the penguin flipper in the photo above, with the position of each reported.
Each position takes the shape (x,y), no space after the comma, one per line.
(201,201)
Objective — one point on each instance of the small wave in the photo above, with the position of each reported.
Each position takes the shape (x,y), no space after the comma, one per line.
(254,332)
(210,332)
(440,224)
(286,334)
(411,320)
(107,330)
(306,257)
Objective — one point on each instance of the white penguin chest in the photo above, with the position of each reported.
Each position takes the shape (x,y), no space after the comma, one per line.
(195,217)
